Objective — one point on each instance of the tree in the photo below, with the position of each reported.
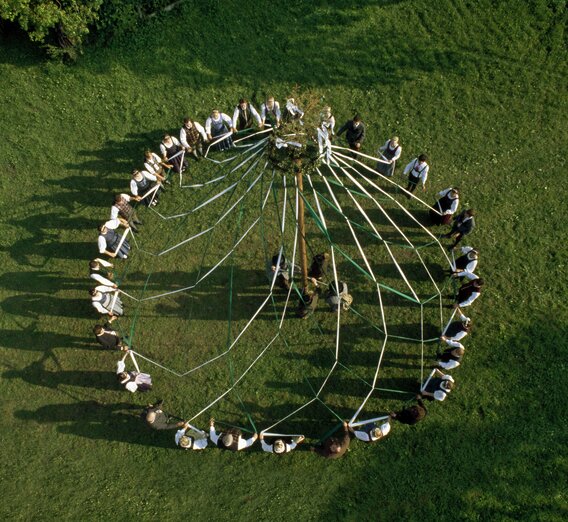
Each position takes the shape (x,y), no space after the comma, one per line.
(61,22)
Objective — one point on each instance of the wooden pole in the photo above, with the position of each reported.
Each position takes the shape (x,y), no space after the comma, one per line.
(302,226)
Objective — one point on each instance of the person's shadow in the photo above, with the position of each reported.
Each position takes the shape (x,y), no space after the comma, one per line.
(120,422)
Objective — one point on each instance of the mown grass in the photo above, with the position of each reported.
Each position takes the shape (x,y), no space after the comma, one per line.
(479,86)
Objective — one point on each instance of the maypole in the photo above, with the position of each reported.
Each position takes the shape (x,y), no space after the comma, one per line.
(302,224)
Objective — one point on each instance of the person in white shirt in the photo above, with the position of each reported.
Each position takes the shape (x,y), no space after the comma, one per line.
(465,265)
(124,212)
(280,445)
(173,153)
(437,386)
(390,153)
(270,112)
(326,130)
(451,357)
(245,115)
(99,272)
(371,432)
(216,125)
(141,185)
(442,211)
(457,330)
(417,171)
(231,439)
(469,292)
(106,301)
(132,380)
(110,242)
(192,137)
(186,438)
(154,164)
(292,111)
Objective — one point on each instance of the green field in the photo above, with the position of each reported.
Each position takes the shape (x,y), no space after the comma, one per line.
(479,86)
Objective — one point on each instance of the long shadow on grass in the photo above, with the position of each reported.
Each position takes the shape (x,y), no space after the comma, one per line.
(506,442)
(118,422)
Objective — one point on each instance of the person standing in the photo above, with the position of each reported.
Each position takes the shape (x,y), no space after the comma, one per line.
(335,447)
(354,132)
(270,113)
(106,301)
(245,115)
(110,242)
(417,171)
(108,338)
(217,125)
(412,414)
(390,152)
(172,153)
(231,439)
(442,211)
(124,212)
(463,225)
(141,184)
(371,432)
(280,445)
(465,264)
(192,137)
(469,292)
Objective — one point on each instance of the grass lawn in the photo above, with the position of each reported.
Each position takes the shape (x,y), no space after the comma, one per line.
(479,86)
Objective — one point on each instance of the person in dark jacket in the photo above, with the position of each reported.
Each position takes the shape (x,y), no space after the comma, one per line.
(412,414)
(463,225)
(157,419)
(108,338)
(354,132)
(334,447)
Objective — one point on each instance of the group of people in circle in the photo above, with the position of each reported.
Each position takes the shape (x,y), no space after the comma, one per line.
(146,186)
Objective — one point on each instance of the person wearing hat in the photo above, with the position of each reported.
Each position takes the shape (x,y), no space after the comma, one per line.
(280,445)
(192,137)
(336,298)
(216,125)
(354,132)
(371,432)
(245,115)
(437,386)
(108,338)
(157,419)
(140,186)
(390,153)
(463,225)
(451,358)
(334,447)
(456,331)
(464,265)
(125,212)
(231,440)
(469,292)
(442,211)
(417,171)
(185,437)
(270,112)
(411,415)
(110,242)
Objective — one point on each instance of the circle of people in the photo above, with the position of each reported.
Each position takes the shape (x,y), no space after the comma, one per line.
(145,188)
